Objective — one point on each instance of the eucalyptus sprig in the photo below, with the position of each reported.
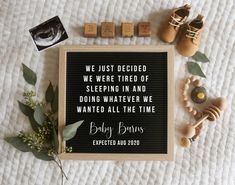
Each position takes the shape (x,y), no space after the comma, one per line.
(43,116)
(193,67)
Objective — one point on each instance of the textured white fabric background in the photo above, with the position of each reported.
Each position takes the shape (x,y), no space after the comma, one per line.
(211,160)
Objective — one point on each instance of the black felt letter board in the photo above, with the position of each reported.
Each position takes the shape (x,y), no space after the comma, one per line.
(123,98)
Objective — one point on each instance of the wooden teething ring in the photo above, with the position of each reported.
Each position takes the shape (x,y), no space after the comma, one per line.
(187,104)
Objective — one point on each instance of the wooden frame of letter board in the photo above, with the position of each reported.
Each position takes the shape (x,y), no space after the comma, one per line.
(112,156)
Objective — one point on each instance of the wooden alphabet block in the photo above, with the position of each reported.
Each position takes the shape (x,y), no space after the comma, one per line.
(90,30)
(127,29)
(107,29)
(144,29)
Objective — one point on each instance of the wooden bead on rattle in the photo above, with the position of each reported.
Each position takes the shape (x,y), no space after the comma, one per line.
(186,142)
(211,113)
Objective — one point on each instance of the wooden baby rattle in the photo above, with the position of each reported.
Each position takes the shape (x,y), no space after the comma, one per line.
(211,113)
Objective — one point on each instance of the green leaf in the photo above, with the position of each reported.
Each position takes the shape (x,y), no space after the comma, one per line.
(39,115)
(25,109)
(42,155)
(28,111)
(54,104)
(29,75)
(195,69)
(55,141)
(201,57)
(70,130)
(18,143)
(33,123)
(23,147)
(49,93)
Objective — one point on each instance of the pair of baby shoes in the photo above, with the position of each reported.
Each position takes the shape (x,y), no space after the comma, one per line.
(190,36)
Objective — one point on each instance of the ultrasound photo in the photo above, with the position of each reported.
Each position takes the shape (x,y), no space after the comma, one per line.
(48,33)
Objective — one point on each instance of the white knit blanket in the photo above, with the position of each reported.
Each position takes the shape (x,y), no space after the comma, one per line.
(210,160)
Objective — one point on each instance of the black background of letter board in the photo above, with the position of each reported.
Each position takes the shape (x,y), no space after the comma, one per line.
(154,138)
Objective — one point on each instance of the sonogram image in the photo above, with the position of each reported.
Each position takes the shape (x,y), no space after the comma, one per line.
(48,33)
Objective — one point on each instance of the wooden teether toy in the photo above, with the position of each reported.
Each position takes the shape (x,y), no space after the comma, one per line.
(198,95)
(210,113)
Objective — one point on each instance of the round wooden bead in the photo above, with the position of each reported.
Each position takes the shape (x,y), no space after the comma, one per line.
(190,109)
(197,83)
(186,87)
(192,78)
(185,142)
(186,103)
(194,112)
(188,131)
(185,93)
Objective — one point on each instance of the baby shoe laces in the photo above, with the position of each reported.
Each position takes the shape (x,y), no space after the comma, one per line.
(176,21)
(192,34)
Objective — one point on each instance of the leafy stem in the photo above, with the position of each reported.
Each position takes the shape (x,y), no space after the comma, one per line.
(43,116)
(59,164)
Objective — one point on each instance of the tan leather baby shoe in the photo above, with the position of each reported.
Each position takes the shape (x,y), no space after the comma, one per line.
(190,37)
(170,28)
